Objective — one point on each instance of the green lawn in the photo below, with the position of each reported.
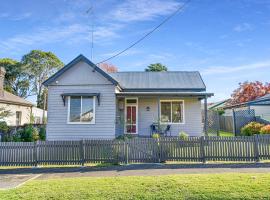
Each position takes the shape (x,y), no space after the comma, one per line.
(222,133)
(207,186)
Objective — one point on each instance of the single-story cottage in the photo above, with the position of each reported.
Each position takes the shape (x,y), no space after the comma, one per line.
(86,102)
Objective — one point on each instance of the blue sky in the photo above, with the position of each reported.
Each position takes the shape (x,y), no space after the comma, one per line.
(227,41)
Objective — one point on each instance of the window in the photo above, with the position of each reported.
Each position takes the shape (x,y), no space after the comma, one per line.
(81,110)
(172,111)
(18,118)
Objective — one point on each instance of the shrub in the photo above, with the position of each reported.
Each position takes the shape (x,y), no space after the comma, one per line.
(4,127)
(42,133)
(265,129)
(183,135)
(251,129)
(35,134)
(156,136)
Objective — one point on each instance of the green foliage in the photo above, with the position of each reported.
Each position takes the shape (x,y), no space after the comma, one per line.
(265,129)
(42,133)
(157,67)
(40,65)
(251,129)
(16,79)
(35,134)
(220,111)
(4,113)
(156,136)
(4,127)
(183,135)
(124,137)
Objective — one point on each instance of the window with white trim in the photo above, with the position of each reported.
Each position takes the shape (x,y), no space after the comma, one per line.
(172,111)
(81,109)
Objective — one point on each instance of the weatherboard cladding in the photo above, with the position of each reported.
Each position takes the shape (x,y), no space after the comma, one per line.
(179,80)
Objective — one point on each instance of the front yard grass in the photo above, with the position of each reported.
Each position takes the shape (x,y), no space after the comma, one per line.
(202,186)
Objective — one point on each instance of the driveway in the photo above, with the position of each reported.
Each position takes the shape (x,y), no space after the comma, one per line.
(10,178)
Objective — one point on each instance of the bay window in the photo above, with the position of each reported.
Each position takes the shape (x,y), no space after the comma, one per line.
(172,111)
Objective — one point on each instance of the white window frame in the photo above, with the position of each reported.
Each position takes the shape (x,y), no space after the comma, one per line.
(132,104)
(170,101)
(94,112)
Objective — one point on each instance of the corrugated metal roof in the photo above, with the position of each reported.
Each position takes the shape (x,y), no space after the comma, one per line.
(178,80)
(13,99)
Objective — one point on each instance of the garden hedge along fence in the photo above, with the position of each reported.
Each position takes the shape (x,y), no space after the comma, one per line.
(137,150)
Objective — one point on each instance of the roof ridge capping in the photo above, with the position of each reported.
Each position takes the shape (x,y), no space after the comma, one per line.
(76,60)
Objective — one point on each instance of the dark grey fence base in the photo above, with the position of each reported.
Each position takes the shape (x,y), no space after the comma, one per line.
(137,150)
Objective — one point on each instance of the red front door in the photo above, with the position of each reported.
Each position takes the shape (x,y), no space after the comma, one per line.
(131,119)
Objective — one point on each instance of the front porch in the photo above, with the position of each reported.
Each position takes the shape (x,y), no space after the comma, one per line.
(141,115)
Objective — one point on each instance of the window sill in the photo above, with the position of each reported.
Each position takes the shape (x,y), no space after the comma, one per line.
(82,123)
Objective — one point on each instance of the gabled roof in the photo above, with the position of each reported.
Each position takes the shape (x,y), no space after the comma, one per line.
(74,62)
(264,100)
(13,99)
(173,81)
(160,81)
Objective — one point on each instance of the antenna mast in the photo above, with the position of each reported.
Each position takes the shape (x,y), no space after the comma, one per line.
(90,13)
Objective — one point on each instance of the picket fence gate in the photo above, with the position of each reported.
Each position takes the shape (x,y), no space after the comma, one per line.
(136,150)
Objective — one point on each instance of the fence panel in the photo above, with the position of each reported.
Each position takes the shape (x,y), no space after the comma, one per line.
(243,117)
(58,152)
(226,123)
(229,148)
(98,151)
(17,153)
(137,150)
(142,150)
(175,149)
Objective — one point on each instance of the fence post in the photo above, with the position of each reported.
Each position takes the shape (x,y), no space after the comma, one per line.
(82,151)
(35,156)
(218,123)
(126,151)
(202,141)
(256,148)
(159,143)
(234,123)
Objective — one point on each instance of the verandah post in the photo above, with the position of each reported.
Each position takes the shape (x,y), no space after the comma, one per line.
(256,148)
(202,141)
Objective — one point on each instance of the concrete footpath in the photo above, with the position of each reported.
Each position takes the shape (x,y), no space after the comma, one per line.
(10,178)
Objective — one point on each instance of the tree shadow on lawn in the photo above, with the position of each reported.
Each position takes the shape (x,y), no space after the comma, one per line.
(143,166)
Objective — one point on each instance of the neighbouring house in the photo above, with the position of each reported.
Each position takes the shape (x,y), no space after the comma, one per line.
(86,102)
(19,108)
(260,105)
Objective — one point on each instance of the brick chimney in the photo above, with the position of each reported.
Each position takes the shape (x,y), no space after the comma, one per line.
(2,78)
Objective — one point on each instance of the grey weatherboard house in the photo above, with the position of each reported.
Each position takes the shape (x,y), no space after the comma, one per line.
(86,102)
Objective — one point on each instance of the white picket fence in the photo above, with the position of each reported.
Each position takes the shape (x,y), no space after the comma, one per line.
(137,150)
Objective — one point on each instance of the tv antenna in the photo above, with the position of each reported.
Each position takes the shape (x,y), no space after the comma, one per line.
(90,13)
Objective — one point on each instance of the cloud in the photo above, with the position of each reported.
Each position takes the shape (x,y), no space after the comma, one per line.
(243,27)
(17,17)
(232,69)
(69,34)
(142,10)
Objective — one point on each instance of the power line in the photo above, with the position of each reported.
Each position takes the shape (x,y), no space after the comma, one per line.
(181,7)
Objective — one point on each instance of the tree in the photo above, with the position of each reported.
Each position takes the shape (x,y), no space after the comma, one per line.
(157,67)
(108,67)
(16,79)
(249,91)
(40,65)
(4,113)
